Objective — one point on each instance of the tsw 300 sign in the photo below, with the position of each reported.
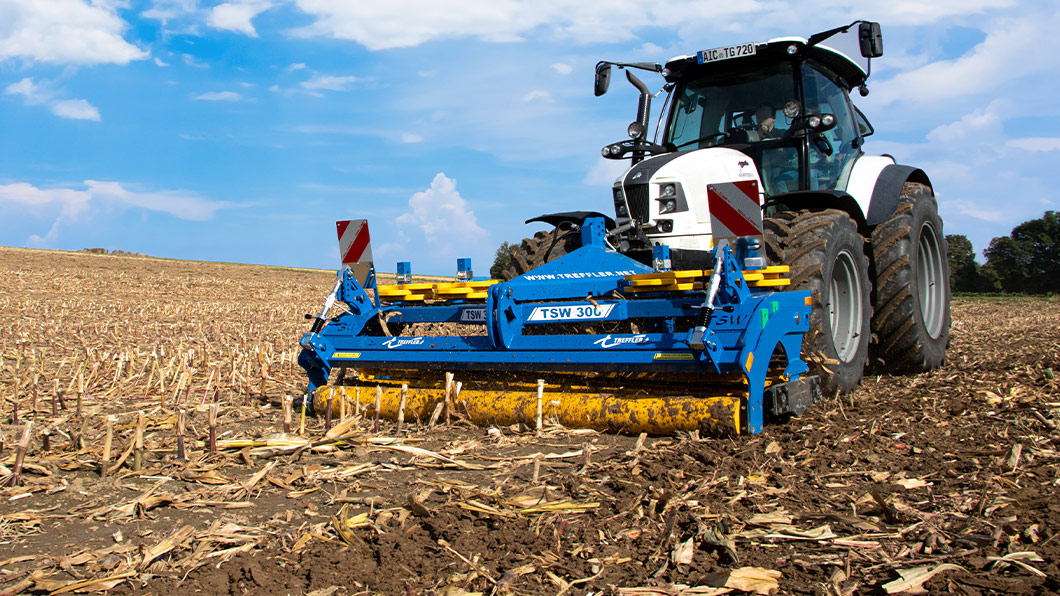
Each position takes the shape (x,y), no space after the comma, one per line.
(572,312)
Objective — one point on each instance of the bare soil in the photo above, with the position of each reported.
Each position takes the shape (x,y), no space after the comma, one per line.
(944,482)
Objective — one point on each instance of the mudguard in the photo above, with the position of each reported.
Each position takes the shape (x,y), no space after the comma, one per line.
(575,217)
(888,189)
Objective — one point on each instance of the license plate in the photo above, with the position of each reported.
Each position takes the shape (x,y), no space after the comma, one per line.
(725,53)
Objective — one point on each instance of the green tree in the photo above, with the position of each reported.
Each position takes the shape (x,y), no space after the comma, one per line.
(502,260)
(964,271)
(1028,259)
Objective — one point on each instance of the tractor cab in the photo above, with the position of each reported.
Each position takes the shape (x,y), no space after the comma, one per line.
(784,103)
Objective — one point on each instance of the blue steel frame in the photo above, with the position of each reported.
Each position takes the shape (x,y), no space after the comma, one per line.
(747,326)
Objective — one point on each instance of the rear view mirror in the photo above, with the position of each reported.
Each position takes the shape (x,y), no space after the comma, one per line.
(871,39)
(603,78)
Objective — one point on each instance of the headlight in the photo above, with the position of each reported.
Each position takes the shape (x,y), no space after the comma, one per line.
(814,121)
(667,205)
(668,190)
(606,151)
(635,130)
(828,119)
(792,109)
(615,149)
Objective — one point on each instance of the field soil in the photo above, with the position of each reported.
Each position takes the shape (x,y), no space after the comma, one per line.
(944,482)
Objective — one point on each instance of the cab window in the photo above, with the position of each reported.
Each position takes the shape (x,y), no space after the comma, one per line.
(832,152)
(719,108)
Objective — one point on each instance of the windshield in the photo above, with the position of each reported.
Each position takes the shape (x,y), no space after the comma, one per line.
(722,108)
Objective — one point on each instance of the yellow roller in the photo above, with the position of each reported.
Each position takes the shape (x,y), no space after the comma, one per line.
(621,410)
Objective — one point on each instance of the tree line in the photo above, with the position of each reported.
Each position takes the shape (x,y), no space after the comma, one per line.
(1027,261)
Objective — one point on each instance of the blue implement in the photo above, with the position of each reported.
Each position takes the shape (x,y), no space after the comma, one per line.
(591,313)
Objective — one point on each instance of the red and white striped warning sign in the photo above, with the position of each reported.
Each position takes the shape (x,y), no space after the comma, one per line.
(734,209)
(354,244)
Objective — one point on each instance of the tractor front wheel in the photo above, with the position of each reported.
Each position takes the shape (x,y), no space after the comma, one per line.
(912,320)
(826,255)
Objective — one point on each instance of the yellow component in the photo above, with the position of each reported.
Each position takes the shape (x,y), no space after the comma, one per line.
(346,355)
(771,283)
(459,290)
(696,279)
(667,275)
(808,301)
(750,361)
(684,287)
(571,406)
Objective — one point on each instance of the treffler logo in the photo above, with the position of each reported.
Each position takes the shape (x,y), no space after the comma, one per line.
(610,342)
(397,342)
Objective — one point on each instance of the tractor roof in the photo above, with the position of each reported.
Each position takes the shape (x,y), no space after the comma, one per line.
(771,52)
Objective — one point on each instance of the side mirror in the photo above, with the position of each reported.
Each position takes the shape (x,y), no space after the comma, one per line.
(603,78)
(871,40)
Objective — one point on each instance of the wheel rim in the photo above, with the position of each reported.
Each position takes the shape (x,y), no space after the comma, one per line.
(930,281)
(845,314)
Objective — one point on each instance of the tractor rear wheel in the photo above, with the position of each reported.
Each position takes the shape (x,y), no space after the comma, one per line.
(912,320)
(826,255)
(544,247)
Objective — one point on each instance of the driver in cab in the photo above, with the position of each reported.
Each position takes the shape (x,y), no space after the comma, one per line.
(765,127)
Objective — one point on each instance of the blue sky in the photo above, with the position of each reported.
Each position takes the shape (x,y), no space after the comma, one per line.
(241,131)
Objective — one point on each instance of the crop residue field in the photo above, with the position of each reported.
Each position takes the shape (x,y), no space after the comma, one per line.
(945,482)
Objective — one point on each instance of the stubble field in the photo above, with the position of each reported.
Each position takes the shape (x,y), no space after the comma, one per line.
(945,482)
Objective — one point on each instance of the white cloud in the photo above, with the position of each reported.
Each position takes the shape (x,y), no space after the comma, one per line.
(411,138)
(295,66)
(219,96)
(976,124)
(64,32)
(605,171)
(562,68)
(407,23)
(34,93)
(329,82)
(442,216)
(1011,50)
(73,204)
(537,94)
(649,50)
(165,10)
(237,16)
(918,12)
(77,109)
(193,61)
(31,92)
(1035,143)
(158,62)
(977,211)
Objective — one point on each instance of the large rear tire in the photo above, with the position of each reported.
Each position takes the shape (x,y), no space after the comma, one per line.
(826,255)
(912,320)
(544,247)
